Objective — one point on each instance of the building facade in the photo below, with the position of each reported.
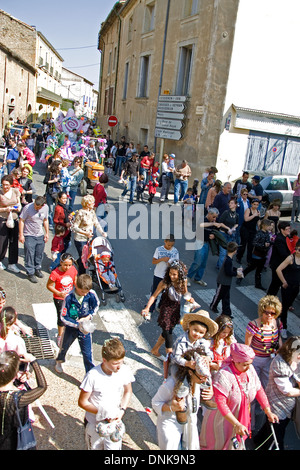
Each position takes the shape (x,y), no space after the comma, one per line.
(261,122)
(17,69)
(78,93)
(153,48)
(49,65)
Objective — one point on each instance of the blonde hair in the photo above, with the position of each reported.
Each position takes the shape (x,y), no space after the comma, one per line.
(86,200)
(269,301)
(65,162)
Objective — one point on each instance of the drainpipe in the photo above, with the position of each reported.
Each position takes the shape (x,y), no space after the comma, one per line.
(4,92)
(162,68)
(116,72)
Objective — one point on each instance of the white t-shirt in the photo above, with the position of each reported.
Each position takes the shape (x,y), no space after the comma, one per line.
(106,390)
(161,252)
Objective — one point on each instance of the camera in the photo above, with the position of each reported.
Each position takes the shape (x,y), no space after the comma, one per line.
(235,443)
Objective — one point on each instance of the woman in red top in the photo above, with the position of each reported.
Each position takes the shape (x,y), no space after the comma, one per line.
(146,164)
(61,282)
(63,217)
(100,196)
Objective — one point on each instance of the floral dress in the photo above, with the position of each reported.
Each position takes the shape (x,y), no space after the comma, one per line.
(169,315)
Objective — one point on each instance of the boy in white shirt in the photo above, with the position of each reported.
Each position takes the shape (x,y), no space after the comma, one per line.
(105,394)
(162,256)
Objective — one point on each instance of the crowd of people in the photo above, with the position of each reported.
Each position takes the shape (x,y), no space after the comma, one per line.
(211,384)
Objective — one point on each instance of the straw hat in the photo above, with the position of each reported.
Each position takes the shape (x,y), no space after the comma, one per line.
(203,317)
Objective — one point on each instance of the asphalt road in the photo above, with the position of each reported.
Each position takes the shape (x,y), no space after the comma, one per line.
(133,263)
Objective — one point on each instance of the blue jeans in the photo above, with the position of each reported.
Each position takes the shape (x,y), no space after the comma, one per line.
(296,208)
(72,195)
(223,251)
(85,343)
(118,165)
(131,185)
(79,247)
(33,251)
(180,186)
(198,266)
(146,174)
(50,204)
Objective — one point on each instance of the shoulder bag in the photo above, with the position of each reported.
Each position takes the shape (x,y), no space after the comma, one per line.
(26,439)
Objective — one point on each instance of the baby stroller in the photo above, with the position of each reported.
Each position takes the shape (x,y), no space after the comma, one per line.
(99,246)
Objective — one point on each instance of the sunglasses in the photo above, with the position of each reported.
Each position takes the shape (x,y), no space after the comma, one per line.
(269,313)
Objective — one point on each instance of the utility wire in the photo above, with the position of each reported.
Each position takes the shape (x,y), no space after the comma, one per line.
(70,48)
(81,66)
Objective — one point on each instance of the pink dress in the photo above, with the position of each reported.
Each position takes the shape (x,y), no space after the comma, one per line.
(216,431)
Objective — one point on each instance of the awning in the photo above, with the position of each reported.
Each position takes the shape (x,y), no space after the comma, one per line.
(49,96)
(263,121)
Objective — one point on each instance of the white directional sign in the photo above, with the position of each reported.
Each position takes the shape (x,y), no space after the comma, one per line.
(168,134)
(169,124)
(170,116)
(177,99)
(173,107)
(161,115)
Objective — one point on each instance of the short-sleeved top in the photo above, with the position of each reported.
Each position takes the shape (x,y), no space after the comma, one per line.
(162,252)
(64,281)
(263,343)
(106,390)
(11,198)
(34,219)
(13,342)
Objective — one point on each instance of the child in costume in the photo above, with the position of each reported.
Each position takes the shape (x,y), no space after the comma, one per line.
(152,185)
(198,328)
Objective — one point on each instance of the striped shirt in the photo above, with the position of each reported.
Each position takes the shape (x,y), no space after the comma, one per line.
(264,342)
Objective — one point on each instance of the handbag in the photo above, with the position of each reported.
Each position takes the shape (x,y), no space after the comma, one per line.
(25,434)
(10,223)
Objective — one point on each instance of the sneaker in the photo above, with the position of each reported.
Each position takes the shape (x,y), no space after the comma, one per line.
(39,273)
(189,281)
(2,267)
(32,278)
(13,267)
(201,283)
(283,333)
(58,367)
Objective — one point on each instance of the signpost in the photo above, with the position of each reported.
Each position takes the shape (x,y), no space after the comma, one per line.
(169,124)
(168,134)
(112,121)
(170,115)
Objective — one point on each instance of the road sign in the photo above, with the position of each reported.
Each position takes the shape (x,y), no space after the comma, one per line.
(172,98)
(112,121)
(168,134)
(161,115)
(171,107)
(169,124)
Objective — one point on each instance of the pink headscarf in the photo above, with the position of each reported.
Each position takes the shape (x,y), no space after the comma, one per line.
(241,353)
